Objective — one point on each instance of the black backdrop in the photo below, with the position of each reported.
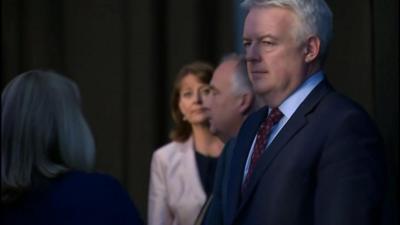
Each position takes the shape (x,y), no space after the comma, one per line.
(124,55)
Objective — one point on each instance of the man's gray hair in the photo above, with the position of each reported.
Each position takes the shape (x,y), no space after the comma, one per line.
(43,131)
(315,18)
(240,80)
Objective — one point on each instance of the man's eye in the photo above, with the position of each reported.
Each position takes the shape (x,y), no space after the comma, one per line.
(246,44)
(269,43)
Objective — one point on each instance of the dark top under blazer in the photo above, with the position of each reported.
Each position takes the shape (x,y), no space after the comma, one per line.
(325,166)
(74,198)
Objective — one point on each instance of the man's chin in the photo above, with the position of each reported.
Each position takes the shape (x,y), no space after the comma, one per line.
(259,89)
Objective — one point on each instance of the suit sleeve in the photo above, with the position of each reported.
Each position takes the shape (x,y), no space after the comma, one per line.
(349,185)
(158,210)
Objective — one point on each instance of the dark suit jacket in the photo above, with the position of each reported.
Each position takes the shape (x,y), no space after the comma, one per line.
(325,166)
(215,210)
(73,199)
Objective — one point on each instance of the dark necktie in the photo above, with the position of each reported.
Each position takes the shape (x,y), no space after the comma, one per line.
(262,139)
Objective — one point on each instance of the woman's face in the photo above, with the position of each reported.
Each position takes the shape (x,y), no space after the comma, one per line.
(191,100)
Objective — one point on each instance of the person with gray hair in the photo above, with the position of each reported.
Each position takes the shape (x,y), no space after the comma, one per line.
(231,97)
(229,100)
(311,155)
(47,150)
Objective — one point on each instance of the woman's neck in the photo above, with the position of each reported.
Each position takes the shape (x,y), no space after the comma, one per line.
(205,142)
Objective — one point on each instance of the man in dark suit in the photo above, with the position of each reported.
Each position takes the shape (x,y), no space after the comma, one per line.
(312,156)
(229,103)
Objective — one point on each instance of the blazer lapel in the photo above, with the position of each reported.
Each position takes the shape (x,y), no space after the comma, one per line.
(241,149)
(293,126)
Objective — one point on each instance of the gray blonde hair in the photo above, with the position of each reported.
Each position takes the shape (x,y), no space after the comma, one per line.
(240,80)
(315,18)
(43,131)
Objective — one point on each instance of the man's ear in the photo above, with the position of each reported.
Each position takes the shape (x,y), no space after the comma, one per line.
(245,101)
(312,48)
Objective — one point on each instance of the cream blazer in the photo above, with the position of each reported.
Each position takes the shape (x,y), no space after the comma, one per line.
(176,194)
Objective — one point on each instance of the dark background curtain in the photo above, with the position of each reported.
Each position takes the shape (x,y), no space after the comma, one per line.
(124,55)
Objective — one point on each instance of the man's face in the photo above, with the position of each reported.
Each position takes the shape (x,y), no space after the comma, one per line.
(275,58)
(222,102)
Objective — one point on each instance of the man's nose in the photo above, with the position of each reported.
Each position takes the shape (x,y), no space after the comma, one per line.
(252,53)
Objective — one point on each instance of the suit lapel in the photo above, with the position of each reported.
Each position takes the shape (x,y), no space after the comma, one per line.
(239,156)
(291,128)
(270,153)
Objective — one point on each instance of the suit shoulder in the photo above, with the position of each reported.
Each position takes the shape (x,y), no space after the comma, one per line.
(342,105)
(81,198)
(85,183)
(88,190)
(345,113)
(94,193)
(172,150)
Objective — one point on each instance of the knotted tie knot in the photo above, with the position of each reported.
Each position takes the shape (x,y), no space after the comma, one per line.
(262,139)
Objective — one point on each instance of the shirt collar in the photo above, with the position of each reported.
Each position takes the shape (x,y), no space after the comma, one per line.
(289,106)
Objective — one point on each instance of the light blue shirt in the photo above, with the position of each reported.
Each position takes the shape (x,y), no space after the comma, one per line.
(288,107)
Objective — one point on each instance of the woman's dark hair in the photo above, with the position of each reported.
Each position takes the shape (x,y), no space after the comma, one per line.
(203,71)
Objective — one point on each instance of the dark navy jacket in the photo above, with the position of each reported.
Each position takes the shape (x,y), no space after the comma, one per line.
(325,166)
(74,198)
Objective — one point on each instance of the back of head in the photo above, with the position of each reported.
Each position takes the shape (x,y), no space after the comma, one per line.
(315,19)
(43,131)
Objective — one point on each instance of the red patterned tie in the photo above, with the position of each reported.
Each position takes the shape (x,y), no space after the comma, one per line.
(262,139)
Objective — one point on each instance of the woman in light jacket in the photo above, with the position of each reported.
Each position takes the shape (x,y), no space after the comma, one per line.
(182,171)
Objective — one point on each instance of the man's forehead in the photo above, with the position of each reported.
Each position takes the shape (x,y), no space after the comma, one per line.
(260,18)
(228,66)
(223,74)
